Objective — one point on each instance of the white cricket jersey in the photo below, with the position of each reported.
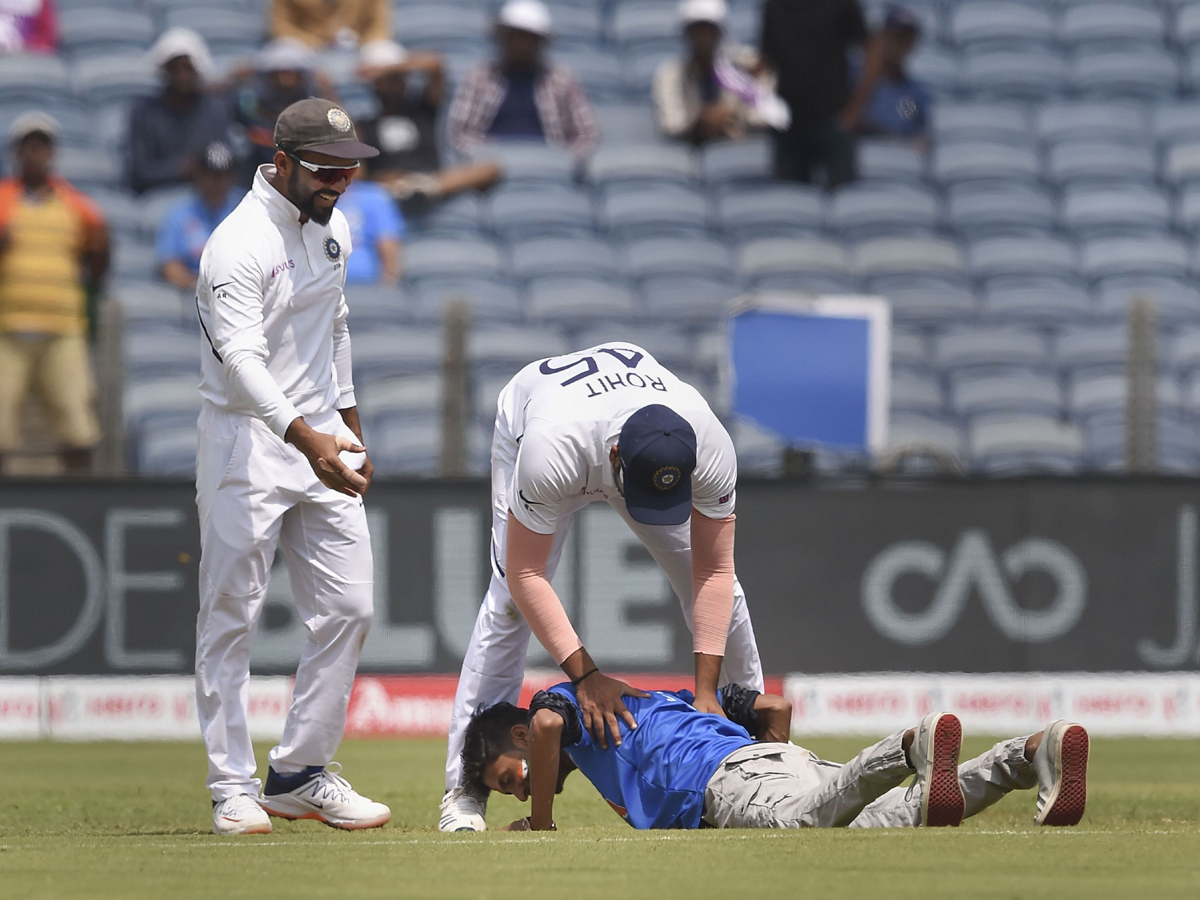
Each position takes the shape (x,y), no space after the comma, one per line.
(273,313)
(566,413)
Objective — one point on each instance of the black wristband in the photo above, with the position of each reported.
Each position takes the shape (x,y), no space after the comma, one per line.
(578,681)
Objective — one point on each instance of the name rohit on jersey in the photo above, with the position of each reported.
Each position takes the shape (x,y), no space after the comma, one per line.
(607,383)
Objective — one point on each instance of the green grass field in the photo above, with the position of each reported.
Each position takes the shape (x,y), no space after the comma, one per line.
(132,821)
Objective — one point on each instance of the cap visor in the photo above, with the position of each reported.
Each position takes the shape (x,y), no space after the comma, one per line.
(343,150)
(674,508)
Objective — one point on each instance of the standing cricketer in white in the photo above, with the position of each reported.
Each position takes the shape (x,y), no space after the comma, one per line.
(277,429)
(609,423)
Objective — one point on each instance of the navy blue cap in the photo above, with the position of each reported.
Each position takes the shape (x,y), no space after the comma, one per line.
(901,17)
(657,448)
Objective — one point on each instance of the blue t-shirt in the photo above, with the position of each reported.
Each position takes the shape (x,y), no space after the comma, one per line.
(186,228)
(373,216)
(518,116)
(657,777)
(899,108)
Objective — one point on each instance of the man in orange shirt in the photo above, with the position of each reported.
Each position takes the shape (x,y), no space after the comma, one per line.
(52,241)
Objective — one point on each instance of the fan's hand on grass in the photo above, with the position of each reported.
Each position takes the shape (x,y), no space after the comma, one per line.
(600,701)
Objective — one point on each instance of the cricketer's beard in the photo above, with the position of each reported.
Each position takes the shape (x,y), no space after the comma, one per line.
(307,205)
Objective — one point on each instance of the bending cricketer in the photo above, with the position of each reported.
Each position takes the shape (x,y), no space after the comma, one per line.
(608,423)
(278,411)
(683,768)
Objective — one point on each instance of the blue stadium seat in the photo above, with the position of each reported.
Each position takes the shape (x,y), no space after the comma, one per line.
(440,26)
(1037,299)
(88,167)
(103,30)
(938,69)
(160,402)
(1182,164)
(376,306)
(728,162)
(1175,298)
(1186,30)
(121,211)
(1019,74)
(928,303)
(669,210)
(381,353)
(979,209)
(1177,122)
(776,211)
(105,79)
(1001,25)
(1105,435)
(78,128)
(867,209)
(407,395)
(529,162)
(219,26)
(657,257)
(636,22)
(169,451)
(980,121)
(881,257)
(890,160)
(577,25)
(463,213)
(992,346)
(1018,392)
(670,346)
(155,204)
(1146,73)
(916,393)
(1076,120)
(1096,211)
(495,350)
(161,353)
(517,213)
(34,77)
(982,161)
(626,123)
(1093,161)
(602,75)
(639,66)
(1096,394)
(153,306)
(1019,445)
(1091,347)
(688,299)
(488,300)
(133,260)
(539,257)
(1153,255)
(1111,23)
(917,433)
(406,445)
(996,256)
(910,349)
(769,258)
(443,257)
(646,163)
(1182,354)
(571,302)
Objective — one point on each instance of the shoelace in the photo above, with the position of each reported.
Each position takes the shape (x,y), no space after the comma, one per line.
(330,784)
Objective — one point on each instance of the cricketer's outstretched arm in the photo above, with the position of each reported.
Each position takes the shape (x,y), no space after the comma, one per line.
(712,602)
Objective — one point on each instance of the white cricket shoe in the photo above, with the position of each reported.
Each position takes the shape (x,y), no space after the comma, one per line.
(328,797)
(462,811)
(934,754)
(1061,765)
(240,814)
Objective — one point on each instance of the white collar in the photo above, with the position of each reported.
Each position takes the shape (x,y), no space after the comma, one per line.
(279,207)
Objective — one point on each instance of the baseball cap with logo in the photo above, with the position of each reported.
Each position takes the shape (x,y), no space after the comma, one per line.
(320,126)
(657,448)
(526,15)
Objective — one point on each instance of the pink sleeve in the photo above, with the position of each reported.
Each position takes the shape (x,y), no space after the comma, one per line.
(712,582)
(525,556)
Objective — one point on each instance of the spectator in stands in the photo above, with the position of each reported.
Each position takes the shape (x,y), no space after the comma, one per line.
(522,95)
(376,231)
(186,228)
(28,26)
(890,103)
(713,92)
(405,130)
(52,239)
(284,72)
(806,42)
(167,132)
(331,23)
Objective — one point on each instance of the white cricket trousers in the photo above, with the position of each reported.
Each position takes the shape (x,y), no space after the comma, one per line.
(254,493)
(785,786)
(494,666)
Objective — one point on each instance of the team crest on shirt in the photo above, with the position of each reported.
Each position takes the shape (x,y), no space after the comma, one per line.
(333,250)
(338,119)
(667,478)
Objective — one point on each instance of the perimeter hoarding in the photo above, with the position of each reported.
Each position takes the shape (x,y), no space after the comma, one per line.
(1048,576)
